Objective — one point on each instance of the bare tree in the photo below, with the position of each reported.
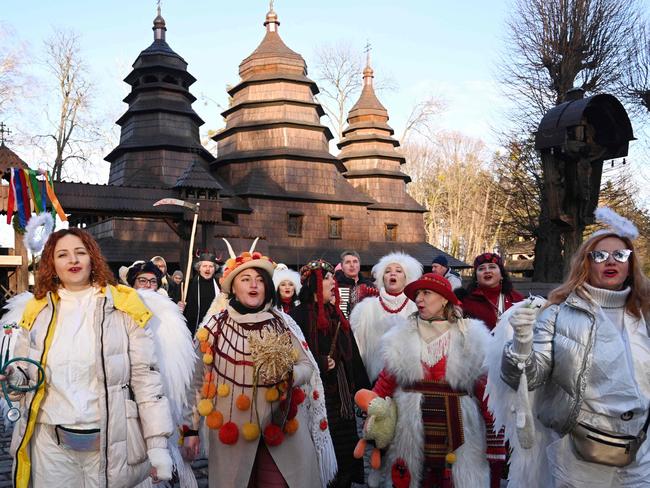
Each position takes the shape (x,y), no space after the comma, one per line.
(422,119)
(635,82)
(554,45)
(453,179)
(558,44)
(12,63)
(338,68)
(71,130)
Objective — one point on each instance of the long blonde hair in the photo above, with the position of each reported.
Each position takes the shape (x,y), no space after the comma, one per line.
(638,301)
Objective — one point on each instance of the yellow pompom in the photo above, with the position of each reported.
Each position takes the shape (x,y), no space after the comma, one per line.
(204,407)
(231,263)
(450,458)
(272,395)
(223,390)
(250,431)
(202,334)
(208,358)
(214,420)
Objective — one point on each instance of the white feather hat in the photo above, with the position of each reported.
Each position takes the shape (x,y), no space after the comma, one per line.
(283,273)
(411,266)
(616,224)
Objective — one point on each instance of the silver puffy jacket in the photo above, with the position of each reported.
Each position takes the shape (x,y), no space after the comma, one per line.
(560,363)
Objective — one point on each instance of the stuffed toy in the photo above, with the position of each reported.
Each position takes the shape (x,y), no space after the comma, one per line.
(379,425)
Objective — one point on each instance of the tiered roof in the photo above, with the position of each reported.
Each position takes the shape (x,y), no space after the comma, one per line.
(370,153)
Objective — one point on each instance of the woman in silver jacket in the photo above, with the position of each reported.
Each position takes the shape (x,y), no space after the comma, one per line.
(588,354)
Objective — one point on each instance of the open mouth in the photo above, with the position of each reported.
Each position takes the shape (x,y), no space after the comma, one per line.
(392,281)
(610,273)
(74,269)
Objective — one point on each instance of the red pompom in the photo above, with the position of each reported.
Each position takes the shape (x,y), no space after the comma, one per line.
(273,435)
(315,394)
(298,396)
(323,424)
(400,474)
(293,411)
(229,433)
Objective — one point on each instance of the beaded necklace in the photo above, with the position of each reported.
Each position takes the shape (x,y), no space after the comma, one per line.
(393,310)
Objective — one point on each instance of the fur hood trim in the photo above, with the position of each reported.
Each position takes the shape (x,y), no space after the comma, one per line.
(469,342)
(282,274)
(411,266)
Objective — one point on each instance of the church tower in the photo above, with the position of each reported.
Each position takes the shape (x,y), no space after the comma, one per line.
(159,137)
(373,163)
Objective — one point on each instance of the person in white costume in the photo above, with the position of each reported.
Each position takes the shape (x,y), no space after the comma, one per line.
(588,355)
(374,315)
(102,417)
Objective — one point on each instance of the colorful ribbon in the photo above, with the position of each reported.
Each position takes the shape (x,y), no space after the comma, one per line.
(25,188)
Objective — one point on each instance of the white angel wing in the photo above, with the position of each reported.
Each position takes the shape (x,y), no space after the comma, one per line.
(176,360)
(174,349)
(510,408)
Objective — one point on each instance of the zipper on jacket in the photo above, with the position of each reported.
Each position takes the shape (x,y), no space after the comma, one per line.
(101,342)
(29,410)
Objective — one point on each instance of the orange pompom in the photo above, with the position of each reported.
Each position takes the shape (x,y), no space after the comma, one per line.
(204,347)
(291,426)
(214,420)
(230,264)
(223,390)
(202,334)
(245,254)
(250,431)
(229,433)
(272,395)
(243,402)
(209,390)
(204,407)
(208,358)
(209,377)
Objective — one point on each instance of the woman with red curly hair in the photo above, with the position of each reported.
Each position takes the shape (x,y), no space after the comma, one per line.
(101,417)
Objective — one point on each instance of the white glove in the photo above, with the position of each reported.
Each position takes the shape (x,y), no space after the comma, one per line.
(522,321)
(160,459)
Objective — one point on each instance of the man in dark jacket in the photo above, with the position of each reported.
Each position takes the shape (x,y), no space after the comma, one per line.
(201,291)
(349,281)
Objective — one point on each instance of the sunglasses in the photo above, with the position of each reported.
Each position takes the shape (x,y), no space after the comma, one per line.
(620,255)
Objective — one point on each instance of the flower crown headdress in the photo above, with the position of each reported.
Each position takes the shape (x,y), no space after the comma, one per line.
(247,259)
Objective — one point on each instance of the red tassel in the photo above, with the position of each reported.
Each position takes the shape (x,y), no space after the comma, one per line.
(400,474)
(447,481)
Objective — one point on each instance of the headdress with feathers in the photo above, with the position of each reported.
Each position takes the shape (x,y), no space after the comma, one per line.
(616,224)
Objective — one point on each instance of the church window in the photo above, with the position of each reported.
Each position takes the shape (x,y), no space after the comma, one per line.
(170,79)
(294,224)
(335,227)
(150,79)
(390,231)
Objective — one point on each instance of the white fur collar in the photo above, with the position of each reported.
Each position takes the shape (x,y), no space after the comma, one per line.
(469,342)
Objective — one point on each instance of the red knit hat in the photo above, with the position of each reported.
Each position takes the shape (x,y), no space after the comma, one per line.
(433,282)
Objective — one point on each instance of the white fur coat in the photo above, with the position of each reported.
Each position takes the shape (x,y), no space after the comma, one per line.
(469,341)
(369,322)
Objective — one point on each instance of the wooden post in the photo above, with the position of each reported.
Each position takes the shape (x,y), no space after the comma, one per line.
(22,272)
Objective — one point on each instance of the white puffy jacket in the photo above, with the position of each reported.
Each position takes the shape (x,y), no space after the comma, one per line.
(135,414)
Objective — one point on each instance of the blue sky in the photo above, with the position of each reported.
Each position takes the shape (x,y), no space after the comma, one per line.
(433,47)
(427,47)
